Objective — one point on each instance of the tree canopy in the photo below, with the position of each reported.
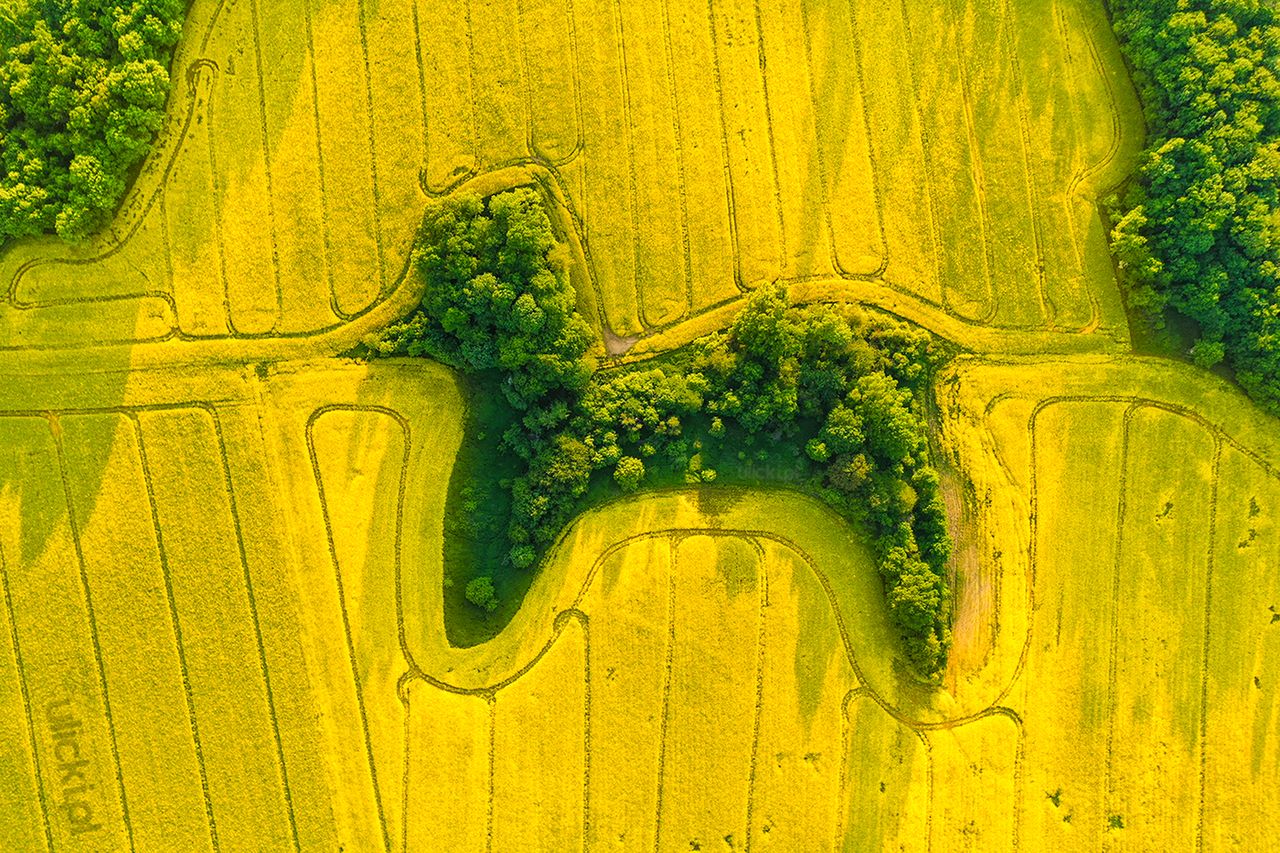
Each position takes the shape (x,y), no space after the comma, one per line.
(83,86)
(1199,230)
(826,398)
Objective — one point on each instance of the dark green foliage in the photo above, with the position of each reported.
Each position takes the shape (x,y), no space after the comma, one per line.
(778,375)
(1199,230)
(822,397)
(83,84)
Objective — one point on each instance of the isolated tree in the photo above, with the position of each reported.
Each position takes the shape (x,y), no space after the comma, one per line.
(480,592)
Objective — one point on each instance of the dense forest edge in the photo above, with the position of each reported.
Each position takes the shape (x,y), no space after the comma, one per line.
(83,87)
(822,398)
(1196,234)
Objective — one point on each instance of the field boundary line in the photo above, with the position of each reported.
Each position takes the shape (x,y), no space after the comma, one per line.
(1204,663)
(926,174)
(584,622)
(677,127)
(580,143)
(326,226)
(619,29)
(526,82)
(978,172)
(1083,168)
(402,692)
(724,151)
(845,737)
(819,158)
(477,163)
(55,430)
(824,176)
(1064,39)
(1087,171)
(877,190)
(362,24)
(929,787)
(492,700)
(216,196)
(1007,23)
(167,242)
(773,145)
(26,702)
(586,729)
(266,161)
(422,96)
(1113,151)
(257,625)
(673,558)
(180,646)
(1018,755)
(402,490)
(346,625)
(762,574)
(1112,656)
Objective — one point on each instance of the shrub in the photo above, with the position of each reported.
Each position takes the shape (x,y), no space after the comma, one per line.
(628,473)
(480,592)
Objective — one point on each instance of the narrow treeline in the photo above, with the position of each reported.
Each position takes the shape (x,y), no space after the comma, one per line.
(1199,230)
(83,85)
(823,398)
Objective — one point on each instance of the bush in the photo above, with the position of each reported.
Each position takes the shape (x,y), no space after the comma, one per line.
(83,85)
(480,592)
(628,473)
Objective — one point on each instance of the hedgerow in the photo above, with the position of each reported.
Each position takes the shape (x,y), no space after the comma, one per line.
(83,86)
(822,397)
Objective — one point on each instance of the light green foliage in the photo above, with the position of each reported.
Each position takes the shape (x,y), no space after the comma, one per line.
(83,84)
(628,473)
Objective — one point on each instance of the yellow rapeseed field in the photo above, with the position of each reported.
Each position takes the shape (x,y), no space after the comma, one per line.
(221,567)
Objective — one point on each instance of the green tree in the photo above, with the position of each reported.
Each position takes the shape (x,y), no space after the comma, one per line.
(1199,230)
(83,86)
(628,473)
(827,390)
(480,592)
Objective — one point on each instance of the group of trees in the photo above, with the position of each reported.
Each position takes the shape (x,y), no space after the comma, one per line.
(828,389)
(83,85)
(1199,230)
(832,394)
